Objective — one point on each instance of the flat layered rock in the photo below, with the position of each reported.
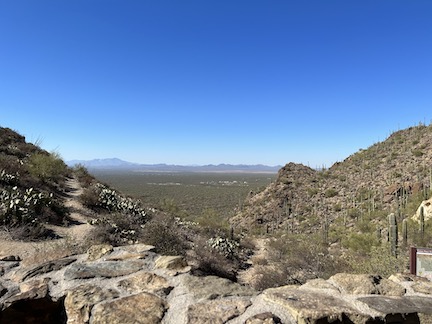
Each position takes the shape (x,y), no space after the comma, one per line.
(314,306)
(105,269)
(216,311)
(264,318)
(145,282)
(138,248)
(212,287)
(43,268)
(395,305)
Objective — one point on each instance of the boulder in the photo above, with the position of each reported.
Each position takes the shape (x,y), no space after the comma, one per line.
(35,289)
(80,301)
(98,251)
(362,284)
(170,262)
(422,287)
(427,210)
(143,308)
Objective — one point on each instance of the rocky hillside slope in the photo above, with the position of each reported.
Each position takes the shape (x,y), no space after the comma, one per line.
(132,284)
(391,176)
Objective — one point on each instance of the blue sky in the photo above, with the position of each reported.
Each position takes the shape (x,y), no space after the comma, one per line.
(226,81)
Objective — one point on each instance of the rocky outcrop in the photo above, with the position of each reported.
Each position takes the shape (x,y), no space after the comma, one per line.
(132,284)
(426,205)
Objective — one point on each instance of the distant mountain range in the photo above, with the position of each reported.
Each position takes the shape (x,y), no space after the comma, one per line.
(118,164)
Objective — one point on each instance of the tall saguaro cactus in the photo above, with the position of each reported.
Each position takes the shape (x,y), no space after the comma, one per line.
(422,223)
(405,232)
(393,234)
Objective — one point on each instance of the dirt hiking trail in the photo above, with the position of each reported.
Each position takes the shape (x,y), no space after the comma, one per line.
(71,235)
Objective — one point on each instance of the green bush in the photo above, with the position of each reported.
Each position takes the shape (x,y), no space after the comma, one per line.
(360,242)
(47,167)
(378,261)
(294,259)
(84,177)
(166,235)
(331,193)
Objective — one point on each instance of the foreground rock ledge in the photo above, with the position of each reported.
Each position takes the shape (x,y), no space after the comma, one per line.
(132,284)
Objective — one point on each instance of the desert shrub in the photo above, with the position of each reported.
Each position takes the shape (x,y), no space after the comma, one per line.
(213,224)
(47,167)
(378,261)
(90,197)
(210,262)
(115,229)
(294,259)
(83,176)
(360,242)
(169,206)
(31,232)
(312,191)
(330,193)
(417,153)
(10,164)
(166,235)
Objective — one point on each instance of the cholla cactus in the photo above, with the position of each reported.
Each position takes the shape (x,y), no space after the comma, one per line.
(224,246)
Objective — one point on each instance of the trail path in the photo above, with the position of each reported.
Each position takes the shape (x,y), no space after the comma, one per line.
(79,226)
(249,276)
(71,235)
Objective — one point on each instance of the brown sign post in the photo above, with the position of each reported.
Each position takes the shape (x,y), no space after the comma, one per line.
(421,262)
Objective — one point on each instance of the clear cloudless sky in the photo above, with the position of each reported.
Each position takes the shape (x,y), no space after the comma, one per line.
(217,81)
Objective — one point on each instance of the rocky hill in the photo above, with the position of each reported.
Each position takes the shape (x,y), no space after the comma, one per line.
(391,176)
(32,187)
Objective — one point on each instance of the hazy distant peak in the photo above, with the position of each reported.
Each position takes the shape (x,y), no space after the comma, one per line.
(116,163)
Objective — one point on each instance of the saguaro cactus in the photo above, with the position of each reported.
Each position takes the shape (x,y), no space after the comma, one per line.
(325,230)
(378,233)
(393,234)
(422,223)
(405,232)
